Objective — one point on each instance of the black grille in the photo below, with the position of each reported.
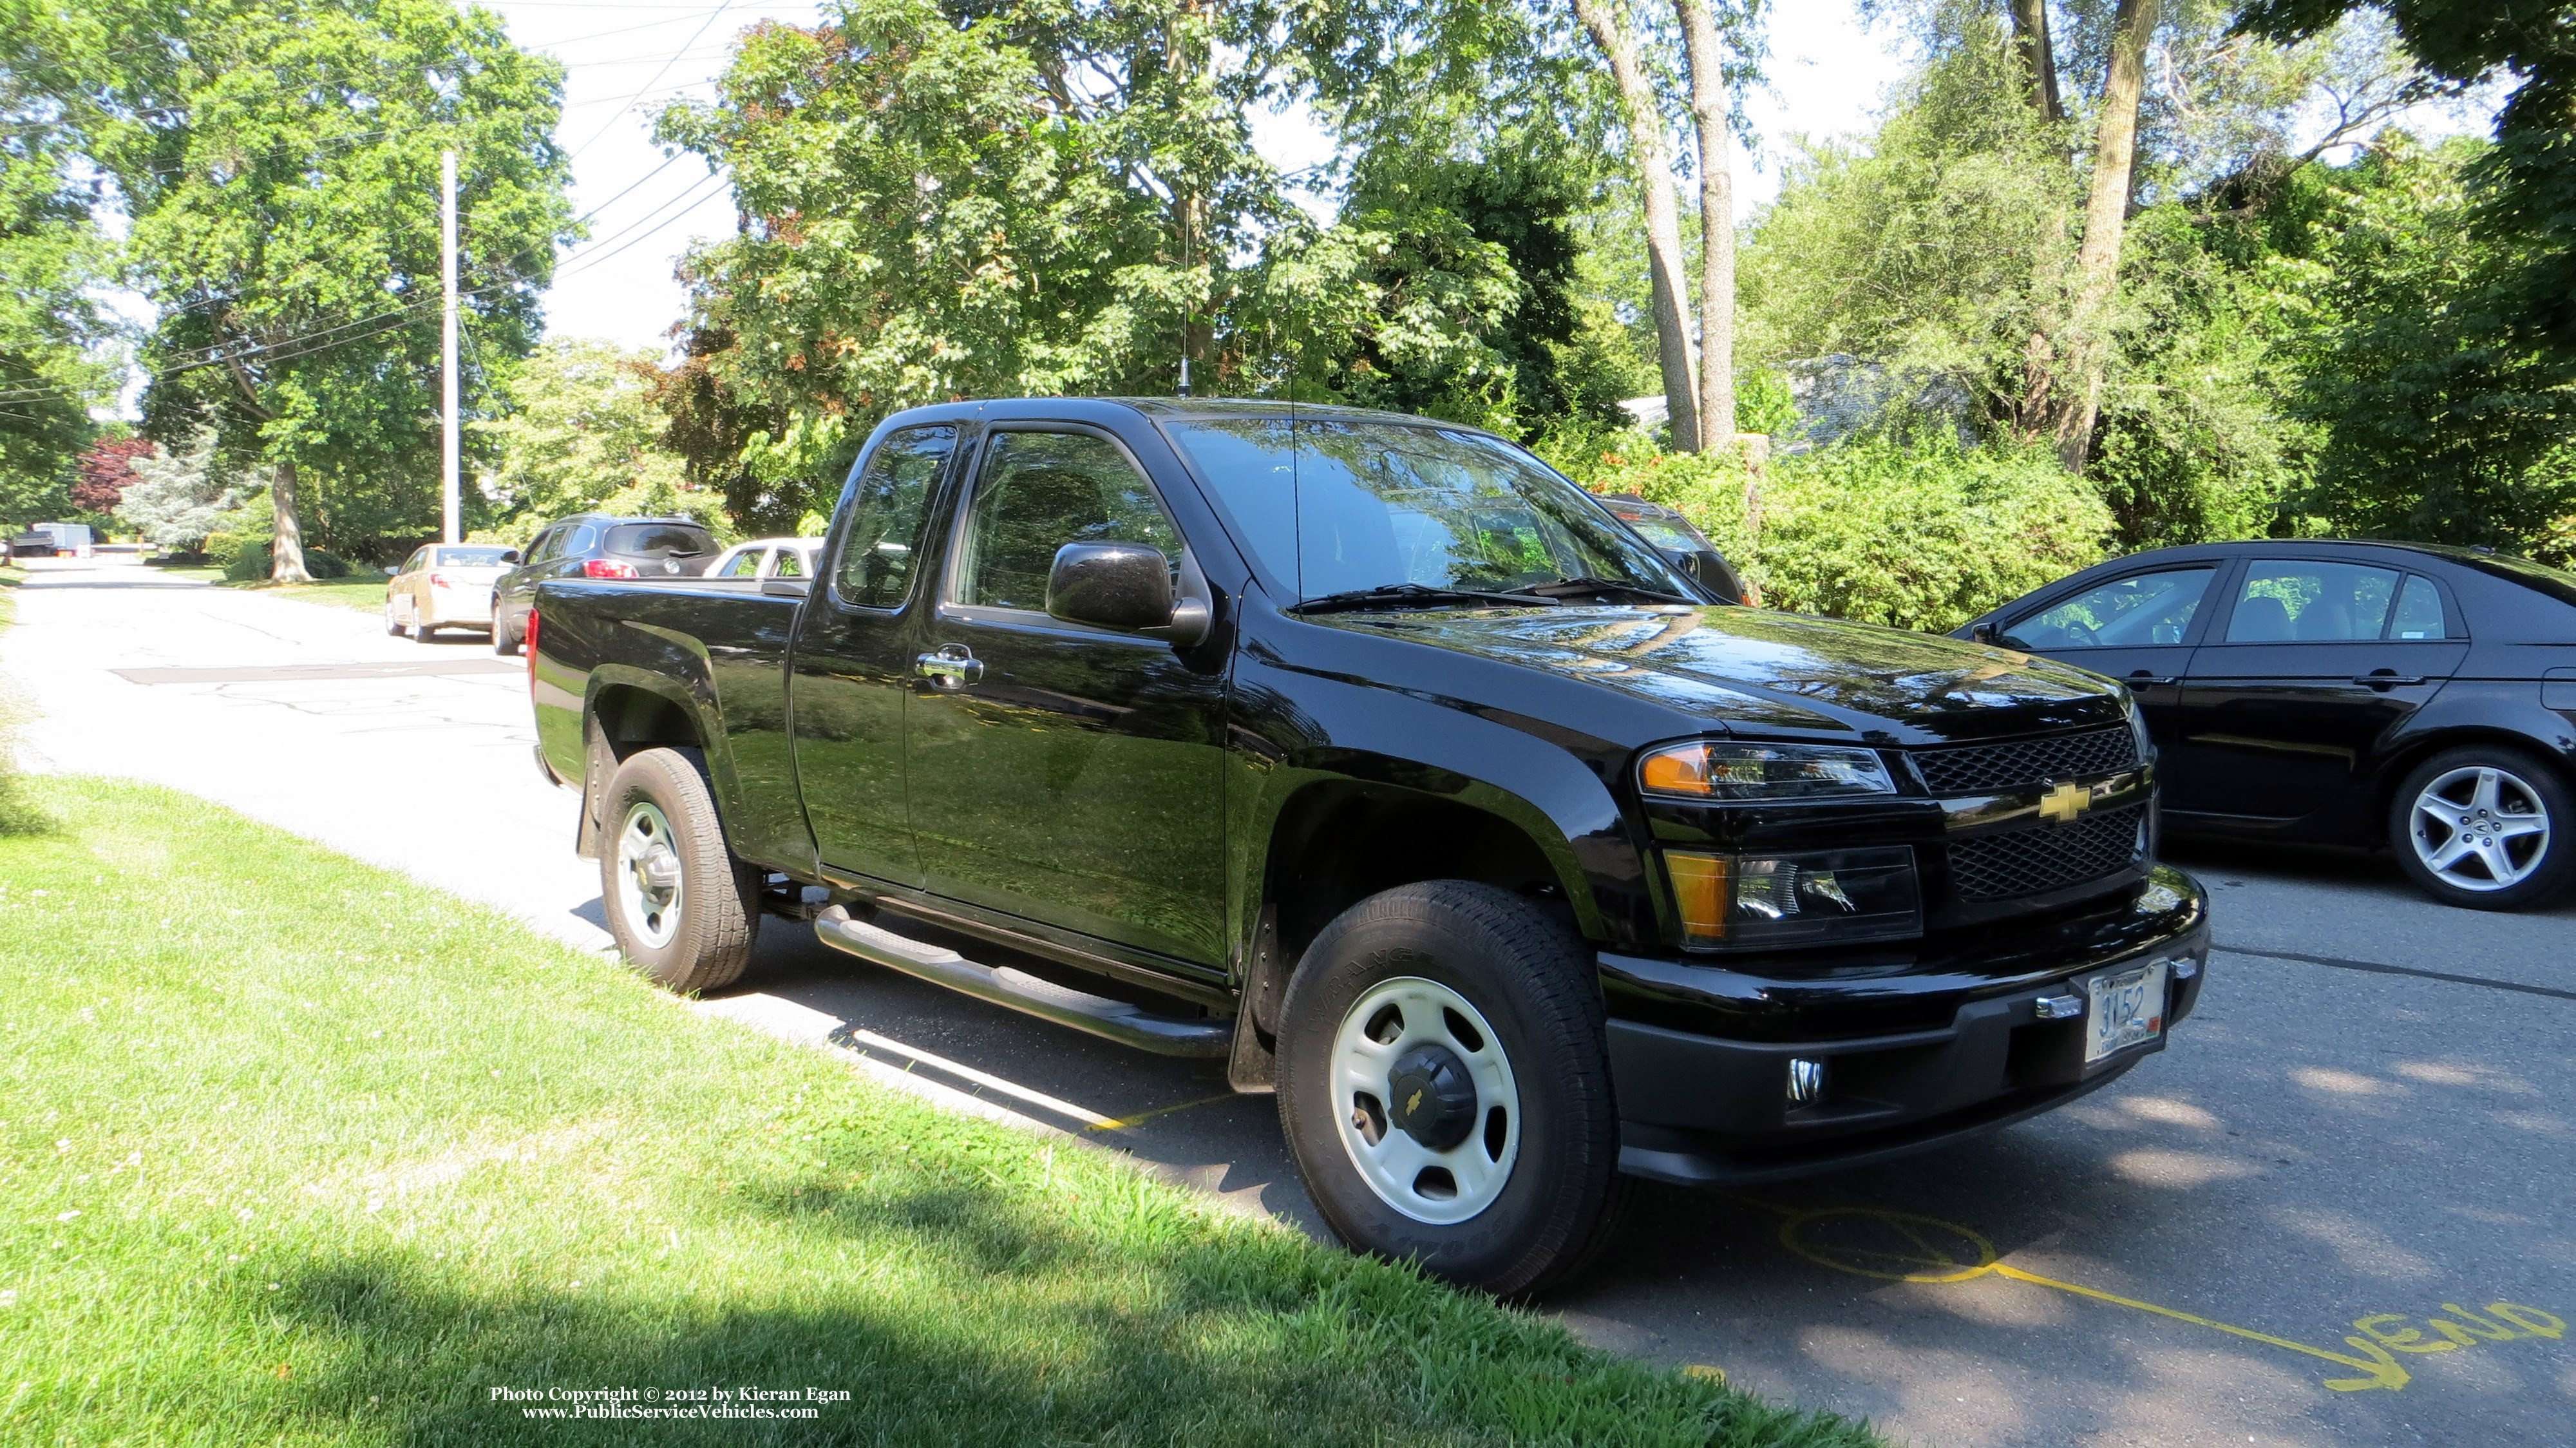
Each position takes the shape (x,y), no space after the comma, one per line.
(1985,768)
(2044,857)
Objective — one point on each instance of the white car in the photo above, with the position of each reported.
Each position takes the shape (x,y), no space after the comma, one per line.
(768,558)
(444,585)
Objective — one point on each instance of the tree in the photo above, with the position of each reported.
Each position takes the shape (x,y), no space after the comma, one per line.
(2526,185)
(581,432)
(1651,155)
(280,164)
(51,254)
(106,471)
(178,497)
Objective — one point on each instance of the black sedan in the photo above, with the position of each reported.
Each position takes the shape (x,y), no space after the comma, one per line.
(2400,694)
(594,545)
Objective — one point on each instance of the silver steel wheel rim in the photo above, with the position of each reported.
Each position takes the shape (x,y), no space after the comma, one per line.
(648,875)
(1389,1021)
(2480,828)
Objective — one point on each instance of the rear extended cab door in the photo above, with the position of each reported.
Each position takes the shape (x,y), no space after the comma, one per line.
(852,675)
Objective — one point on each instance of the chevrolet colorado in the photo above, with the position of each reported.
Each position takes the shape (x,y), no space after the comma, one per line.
(1373,756)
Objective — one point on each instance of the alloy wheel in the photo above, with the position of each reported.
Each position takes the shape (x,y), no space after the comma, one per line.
(648,875)
(2480,828)
(1425,1100)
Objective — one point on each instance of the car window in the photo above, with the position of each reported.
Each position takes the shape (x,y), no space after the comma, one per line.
(548,544)
(1040,491)
(882,536)
(745,564)
(660,540)
(470,558)
(2419,611)
(2142,609)
(2304,601)
(412,564)
(1663,534)
(791,564)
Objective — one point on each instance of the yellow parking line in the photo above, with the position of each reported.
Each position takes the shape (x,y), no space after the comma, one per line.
(1124,1122)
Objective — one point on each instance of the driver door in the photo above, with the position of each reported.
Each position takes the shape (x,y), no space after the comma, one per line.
(2140,630)
(1062,772)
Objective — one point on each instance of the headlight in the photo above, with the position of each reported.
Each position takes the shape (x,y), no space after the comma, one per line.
(1763,771)
(1739,902)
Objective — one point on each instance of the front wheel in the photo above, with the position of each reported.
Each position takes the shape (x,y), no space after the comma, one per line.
(2486,828)
(682,908)
(1445,1089)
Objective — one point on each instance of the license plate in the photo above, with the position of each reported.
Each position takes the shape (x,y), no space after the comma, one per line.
(2126,1007)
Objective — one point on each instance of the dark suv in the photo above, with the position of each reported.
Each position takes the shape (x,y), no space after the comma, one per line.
(595,545)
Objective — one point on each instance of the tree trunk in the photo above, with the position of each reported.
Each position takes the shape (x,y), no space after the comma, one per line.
(2097,262)
(1716,224)
(2038,58)
(1663,221)
(286,554)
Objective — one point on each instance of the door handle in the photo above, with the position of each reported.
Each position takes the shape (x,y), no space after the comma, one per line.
(954,666)
(2386,678)
(2141,676)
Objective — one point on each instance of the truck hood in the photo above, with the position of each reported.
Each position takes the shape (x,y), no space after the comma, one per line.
(1761,672)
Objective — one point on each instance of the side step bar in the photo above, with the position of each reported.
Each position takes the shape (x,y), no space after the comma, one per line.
(1129,1025)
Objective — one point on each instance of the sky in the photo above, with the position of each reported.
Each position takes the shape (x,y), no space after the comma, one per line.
(623,61)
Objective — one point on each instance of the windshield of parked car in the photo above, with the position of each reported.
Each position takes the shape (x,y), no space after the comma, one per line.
(659,540)
(1334,507)
(470,558)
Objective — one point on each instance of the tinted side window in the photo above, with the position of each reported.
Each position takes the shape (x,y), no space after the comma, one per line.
(542,547)
(2147,608)
(883,539)
(2308,602)
(579,541)
(1040,491)
(660,540)
(2419,611)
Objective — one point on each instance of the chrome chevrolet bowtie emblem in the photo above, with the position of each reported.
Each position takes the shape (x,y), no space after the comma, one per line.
(2065,802)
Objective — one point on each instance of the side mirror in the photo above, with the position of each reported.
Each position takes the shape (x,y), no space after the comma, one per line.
(511,556)
(1113,585)
(1987,634)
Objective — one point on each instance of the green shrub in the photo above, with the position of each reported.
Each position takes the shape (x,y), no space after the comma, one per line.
(1920,534)
(252,561)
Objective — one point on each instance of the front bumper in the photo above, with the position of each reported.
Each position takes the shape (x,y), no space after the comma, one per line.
(1706,1109)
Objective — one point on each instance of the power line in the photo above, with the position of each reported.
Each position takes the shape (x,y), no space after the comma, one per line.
(610,124)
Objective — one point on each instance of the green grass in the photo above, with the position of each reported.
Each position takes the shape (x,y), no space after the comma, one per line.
(365,593)
(299,1152)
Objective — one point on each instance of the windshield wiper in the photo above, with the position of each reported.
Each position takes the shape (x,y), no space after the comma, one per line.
(1587,587)
(1412,595)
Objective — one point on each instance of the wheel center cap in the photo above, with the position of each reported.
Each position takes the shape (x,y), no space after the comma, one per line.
(1430,1097)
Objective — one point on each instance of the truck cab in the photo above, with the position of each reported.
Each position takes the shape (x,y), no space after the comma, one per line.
(1369,754)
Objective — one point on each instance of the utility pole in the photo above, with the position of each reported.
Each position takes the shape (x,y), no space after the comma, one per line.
(452,448)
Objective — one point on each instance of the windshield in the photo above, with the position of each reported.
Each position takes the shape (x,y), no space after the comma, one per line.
(470,558)
(1336,507)
(659,540)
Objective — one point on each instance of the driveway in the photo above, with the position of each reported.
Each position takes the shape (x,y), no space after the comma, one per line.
(2335,1212)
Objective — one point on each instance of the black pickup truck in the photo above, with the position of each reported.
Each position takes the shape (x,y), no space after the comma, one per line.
(1373,756)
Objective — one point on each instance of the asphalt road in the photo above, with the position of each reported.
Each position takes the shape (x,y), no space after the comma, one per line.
(2287,1229)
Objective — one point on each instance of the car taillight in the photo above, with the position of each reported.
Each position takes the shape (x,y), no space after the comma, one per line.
(530,644)
(440,580)
(609,568)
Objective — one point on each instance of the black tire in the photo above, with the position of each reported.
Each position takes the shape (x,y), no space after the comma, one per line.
(717,896)
(2528,790)
(504,642)
(421,629)
(393,626)
(1528,975)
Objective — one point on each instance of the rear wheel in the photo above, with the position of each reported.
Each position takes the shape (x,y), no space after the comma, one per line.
(2485,827)
(504,642)
(1444,1086)
(682,908)
(421,625)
